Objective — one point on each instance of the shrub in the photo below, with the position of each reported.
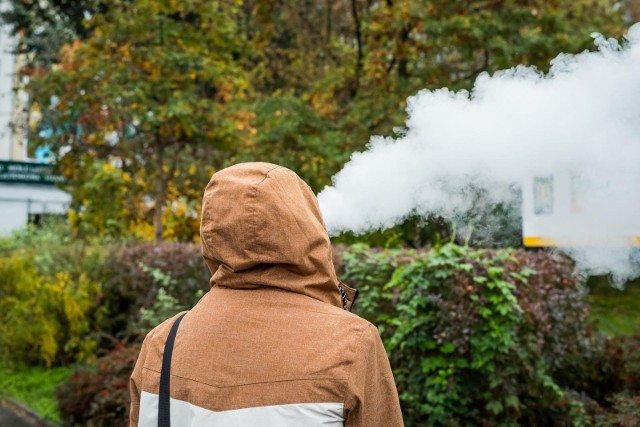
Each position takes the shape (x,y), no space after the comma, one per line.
(132,277)
(610,367)
(165,305)
(52,249)
(625,412)
(144,285)
(52,232)
(45,319)
(475,336)
(98,395)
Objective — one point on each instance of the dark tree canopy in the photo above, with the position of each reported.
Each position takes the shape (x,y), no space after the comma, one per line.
(45,26)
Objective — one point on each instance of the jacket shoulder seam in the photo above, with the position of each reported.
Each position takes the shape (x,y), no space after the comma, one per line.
(247,384)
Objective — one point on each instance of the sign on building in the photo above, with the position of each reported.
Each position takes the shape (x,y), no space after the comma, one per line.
(28,173)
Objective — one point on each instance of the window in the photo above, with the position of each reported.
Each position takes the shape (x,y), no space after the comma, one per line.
(543,195)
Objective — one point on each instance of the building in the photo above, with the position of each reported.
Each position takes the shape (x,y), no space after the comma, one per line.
(559,209)
(27,188)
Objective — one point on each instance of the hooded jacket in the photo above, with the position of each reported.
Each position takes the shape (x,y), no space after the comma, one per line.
(273,342)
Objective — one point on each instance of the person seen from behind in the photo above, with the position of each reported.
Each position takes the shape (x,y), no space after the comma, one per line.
(273,343)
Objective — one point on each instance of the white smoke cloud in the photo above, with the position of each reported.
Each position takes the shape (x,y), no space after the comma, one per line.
(582,118)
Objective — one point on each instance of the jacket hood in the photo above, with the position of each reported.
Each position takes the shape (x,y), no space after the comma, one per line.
(261,227)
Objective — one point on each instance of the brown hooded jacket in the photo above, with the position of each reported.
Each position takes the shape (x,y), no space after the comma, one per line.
(271,343)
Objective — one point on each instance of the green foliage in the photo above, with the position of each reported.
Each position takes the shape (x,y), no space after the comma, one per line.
(102,216)
(50,295)
(625,413)
(415,232)
(44,318)
(50,233)
(168,92)
(98,394)
(165,305)
(33,386)
(151,104)
(294,134)
(52,249)
(476,337)
(156,280)
(610,367)
(45,26)
(62,303)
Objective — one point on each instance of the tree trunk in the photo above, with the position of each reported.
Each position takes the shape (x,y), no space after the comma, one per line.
(160,194)
(358,33)
(635,10)
(403,59)
(329,6)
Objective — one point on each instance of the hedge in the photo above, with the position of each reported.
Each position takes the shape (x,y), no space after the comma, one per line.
(476,337)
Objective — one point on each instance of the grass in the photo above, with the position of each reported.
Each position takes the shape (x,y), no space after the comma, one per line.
(34,387)
(614,311)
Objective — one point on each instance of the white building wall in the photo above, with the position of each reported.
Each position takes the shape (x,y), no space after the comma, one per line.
(18,201)
(7,73)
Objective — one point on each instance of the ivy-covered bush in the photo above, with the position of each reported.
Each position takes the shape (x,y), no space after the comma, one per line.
(476,337)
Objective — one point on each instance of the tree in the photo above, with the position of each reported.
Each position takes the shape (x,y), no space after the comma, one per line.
(45,26)
(298,59)
(151,92)
(409,45)
(166,91)
(330,74)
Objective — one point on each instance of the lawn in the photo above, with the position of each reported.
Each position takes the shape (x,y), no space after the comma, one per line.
(615,311)
(34,387)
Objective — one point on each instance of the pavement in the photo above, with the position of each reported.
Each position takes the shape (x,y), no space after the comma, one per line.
(13,416)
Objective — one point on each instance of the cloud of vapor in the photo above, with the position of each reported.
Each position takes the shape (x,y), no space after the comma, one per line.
(581,119)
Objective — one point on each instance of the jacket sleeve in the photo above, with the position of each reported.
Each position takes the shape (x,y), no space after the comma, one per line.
(135,382)
(372,399)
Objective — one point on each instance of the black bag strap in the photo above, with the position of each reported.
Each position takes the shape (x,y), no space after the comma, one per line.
(164,411)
